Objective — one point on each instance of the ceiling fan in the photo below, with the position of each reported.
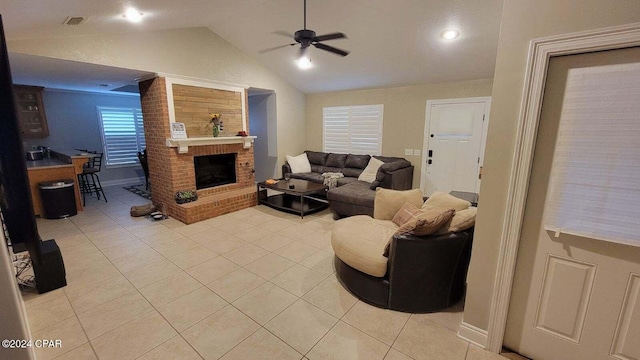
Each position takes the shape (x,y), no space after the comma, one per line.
(306,38)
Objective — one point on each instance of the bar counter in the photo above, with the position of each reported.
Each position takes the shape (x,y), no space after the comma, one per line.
(63,164)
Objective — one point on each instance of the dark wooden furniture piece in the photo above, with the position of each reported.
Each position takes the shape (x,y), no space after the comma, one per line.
(89,179)
(31,115)
(297,200)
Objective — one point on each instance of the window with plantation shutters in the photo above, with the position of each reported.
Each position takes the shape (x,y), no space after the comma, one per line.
(122,134)
(353,129)
(594,188)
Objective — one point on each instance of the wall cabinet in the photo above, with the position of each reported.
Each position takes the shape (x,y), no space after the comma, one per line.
(33,121)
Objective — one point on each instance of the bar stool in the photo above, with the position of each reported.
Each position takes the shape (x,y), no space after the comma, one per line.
(89,179)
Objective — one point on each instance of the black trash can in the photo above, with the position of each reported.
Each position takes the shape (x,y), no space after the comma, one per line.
(58,199)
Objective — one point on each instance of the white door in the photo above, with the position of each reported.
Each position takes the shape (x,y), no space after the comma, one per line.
(454,143)
(575,297)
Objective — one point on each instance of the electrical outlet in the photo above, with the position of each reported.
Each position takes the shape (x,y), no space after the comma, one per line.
(416,152)
(408,151)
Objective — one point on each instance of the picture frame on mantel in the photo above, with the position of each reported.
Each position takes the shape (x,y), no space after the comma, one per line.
(178,131)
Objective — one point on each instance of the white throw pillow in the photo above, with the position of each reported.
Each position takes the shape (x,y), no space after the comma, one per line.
(369,173)
(299,164)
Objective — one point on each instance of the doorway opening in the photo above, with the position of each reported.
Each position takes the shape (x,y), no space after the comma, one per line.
(263,124)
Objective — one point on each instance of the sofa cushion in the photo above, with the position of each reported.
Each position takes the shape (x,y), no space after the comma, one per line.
(346,180)
(426,222)
(316,157)
(331,169)
(369,173)
(357,161)
(336,160)
(441,200)
(461,220)
(299,164)
(359,241)
(388,202)
(310,176)
(317,168)
(352,172)
(356,192)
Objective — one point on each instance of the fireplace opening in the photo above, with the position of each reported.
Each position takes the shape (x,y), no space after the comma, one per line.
(215,170)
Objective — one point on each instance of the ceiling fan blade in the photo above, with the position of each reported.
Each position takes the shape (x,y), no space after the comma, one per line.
(283,33)
(275,48)
(331,49)
(331,36)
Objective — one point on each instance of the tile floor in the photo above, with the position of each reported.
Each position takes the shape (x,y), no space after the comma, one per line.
(254,284)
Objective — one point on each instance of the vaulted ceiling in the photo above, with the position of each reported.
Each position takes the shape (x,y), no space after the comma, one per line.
(391,42)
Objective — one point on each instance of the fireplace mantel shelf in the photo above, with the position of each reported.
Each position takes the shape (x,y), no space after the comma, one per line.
(183,144)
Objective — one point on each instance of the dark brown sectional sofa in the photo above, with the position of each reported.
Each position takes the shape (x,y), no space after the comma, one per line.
(351,196)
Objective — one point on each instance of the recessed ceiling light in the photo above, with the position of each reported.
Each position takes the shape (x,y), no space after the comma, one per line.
(304,63)
(133,15)
(450,34)
(104,85)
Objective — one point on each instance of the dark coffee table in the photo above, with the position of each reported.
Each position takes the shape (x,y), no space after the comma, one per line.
(304,198)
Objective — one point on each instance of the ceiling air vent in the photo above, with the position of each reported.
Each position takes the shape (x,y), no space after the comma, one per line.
(74,20)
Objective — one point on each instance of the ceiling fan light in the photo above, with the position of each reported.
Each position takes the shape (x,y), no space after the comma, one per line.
(133,15)
(450,34)
(304,63)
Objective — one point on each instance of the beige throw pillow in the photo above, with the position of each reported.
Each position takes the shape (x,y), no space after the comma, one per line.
(299,164)
(461,220)
(407,212)
(427,222)
(445,201)
(369,173)
(387,202)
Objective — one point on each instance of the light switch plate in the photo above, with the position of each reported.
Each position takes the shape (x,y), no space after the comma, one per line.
(416,152)
(408,151)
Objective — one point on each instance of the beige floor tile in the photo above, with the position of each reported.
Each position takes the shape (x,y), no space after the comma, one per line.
(221,244)
(117,239)
(424,339)
(236,284)
(172,223)
(253,234)
(234,226)
(476,353)
(269,266)
(158,239)
(262,345)
(83,352)
(68,331)
(98,224)
(114,232)
(146,230)
(193,228)
(92,275)
(108,316)
(245,254)
(191,308)
(175,348)
(192,257)
(449,318)
(264,303)
(394,354)
(301,325)
(49,313)
(257,219)
(148,274)
(321,262)
(134,338)
(72,241)
(318,240)
(212,270)
(296,251)
(170,288)
(273,242)
(382,324)
(88,297)
(331,297)
(298,280)
(277,225)
(33,298)
(174,247)
(297,231)
(137,260)
(346,342)
(115,252)
(220,332)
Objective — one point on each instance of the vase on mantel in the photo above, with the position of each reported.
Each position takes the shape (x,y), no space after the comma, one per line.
(216,130)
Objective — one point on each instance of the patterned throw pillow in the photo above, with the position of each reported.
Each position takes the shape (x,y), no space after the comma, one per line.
(407,212)
(427,222)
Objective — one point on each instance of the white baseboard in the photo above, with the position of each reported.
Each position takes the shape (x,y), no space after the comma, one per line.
(473,334)
(128,181)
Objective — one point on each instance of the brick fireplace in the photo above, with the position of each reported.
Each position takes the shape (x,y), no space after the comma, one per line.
(172,169)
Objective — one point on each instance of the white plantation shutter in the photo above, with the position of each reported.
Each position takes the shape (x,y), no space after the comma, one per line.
(594,189)
(122,134)
(353,129)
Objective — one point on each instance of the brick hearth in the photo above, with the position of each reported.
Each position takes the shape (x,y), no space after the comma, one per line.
(170,171)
